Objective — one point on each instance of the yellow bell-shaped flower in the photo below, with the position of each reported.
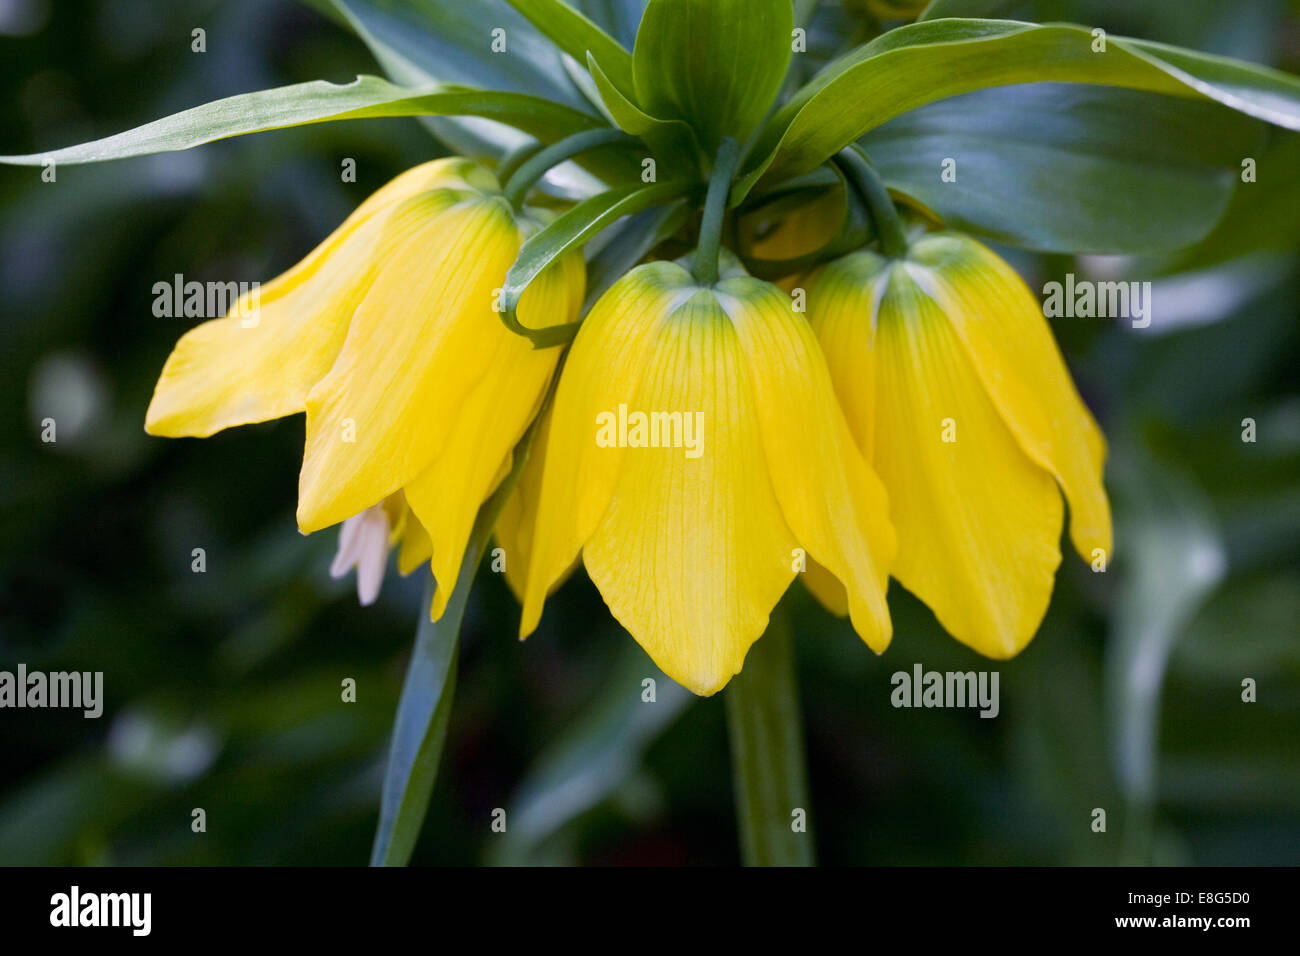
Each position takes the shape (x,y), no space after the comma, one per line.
(389,338)
(957,394)
(695,452)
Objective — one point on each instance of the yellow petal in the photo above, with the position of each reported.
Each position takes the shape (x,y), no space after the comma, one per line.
(694,551)
(518,518)
(420,347)
(1001,325)
(795,226)
(448,494)
(260,361)
(826,588)
(453,173)
(833,502)
(604,369)
(843,300)
(416,547)
(978,521)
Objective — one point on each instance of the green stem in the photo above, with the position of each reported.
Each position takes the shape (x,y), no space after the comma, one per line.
(512,160)
(715,211)
(768,765)
(535,167)
(884,215)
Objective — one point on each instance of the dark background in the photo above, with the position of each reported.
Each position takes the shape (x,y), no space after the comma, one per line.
(223,688)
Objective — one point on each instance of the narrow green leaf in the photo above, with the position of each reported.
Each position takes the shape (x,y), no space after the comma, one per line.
(666,138)
(420,727)
(577,36)
(924,62)
(318,102)
(767,753)
(715,64)
(401,46)
(1057,167)
(576,227)
(422,41)
(425,705)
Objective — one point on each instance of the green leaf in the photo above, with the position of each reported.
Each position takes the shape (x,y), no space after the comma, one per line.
(1263,217)
(421,724)
(425,705)
(317,102)
(1057,167)
(666,138)
(923,62)
(619,17)
(571,231)
(419,41)
(577,36)
(715,64)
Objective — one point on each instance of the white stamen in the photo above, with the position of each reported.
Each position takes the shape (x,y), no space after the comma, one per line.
(363,544)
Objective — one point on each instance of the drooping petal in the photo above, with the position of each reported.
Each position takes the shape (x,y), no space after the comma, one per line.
(602,371)
(832,501)
(260,361)
(694,551)
(843,301)
(447,495)
(518,518)
(420,345)
(1001,326)
(978,521)
(826,588)
(415,547)
(453,173)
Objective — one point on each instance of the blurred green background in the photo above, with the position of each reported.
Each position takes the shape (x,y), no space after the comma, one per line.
(223,688)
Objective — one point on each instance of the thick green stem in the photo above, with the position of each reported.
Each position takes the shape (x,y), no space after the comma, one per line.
(715,212)
(863,178)
(768,765)
(540,164)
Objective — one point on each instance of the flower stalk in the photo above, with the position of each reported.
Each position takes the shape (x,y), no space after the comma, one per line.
(769,768)
(866,182)
(715,210)
(538,165)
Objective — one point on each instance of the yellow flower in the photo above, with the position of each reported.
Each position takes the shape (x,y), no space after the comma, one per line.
(956,392)
(387,336)
(692,538)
